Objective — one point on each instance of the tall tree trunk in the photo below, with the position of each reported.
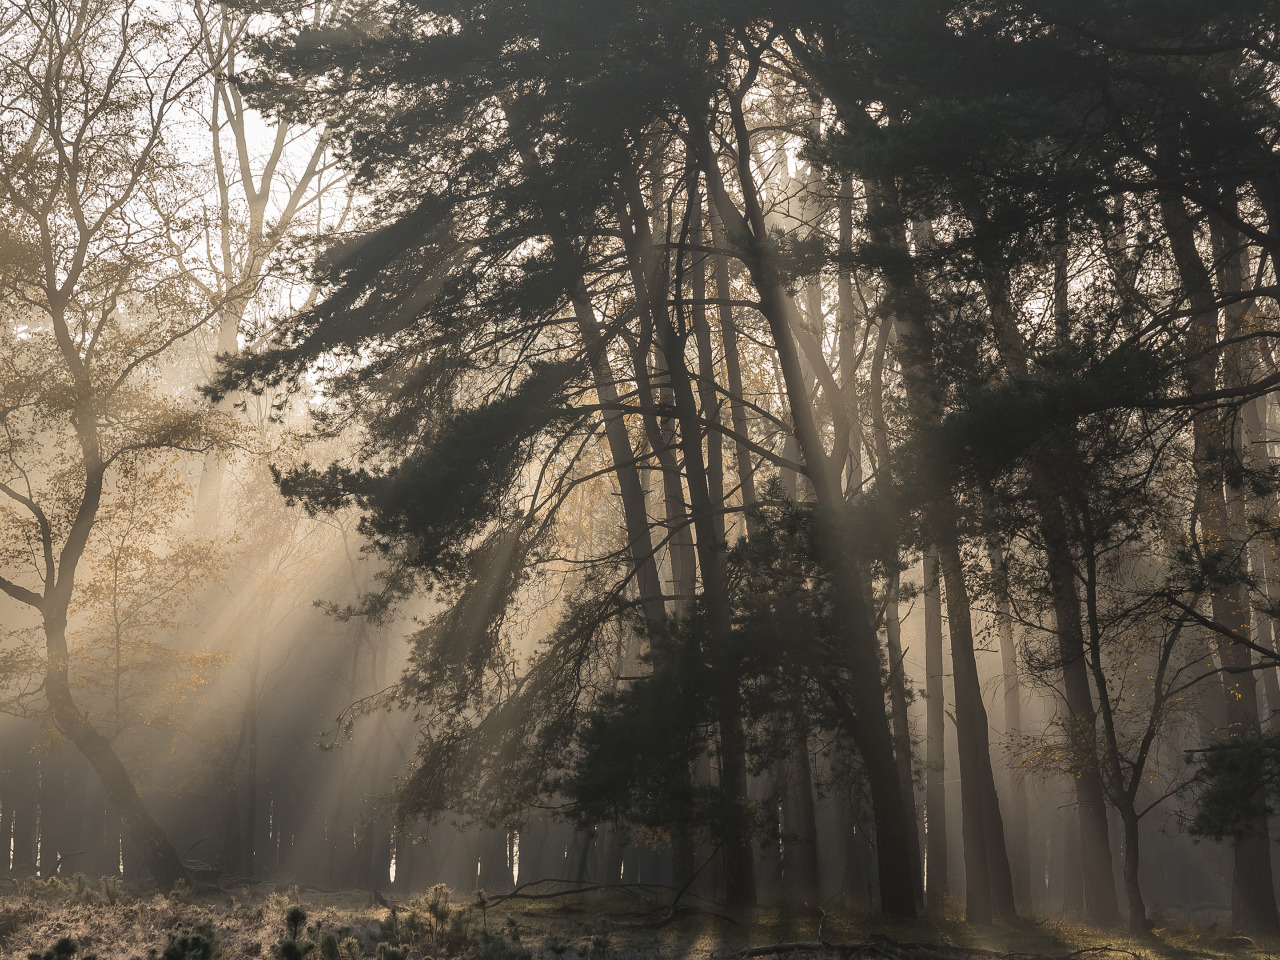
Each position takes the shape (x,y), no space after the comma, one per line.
(639,538)
(1253,902)
(249,854)
(988,878)
(726,692)
(893,577)
(871,733)
(937,890)
(1122,787)
(800,868)
(1262,557)
(733,372)
(1018,824)
(1100,902)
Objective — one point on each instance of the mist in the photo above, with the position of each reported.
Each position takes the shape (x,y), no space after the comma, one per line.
(750,461)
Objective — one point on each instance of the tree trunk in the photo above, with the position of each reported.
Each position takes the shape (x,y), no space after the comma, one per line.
(937,891)
(726,694)
(1100,902)
(1262,559)
(871,733)
(988,879)
(893,577)
(1253,902)
(635,515)
(1098,872)
(799,824)
(1018,824)
(733,373)
(141,828)
(1139,926)
(249,855)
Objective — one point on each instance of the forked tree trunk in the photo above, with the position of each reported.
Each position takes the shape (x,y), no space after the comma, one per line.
(871,733)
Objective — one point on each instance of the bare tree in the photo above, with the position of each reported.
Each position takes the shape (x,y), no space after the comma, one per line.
(90,192)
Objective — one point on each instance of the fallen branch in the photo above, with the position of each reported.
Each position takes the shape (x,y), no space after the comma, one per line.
(674,912)
(582,887)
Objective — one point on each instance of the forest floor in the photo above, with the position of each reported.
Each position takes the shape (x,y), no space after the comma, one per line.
(104,920)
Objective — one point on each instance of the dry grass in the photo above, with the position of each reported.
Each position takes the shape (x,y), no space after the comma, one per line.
(116,924)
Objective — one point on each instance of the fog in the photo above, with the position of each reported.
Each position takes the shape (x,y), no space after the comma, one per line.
(818,457)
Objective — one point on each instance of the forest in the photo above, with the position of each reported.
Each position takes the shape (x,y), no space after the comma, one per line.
(714,471)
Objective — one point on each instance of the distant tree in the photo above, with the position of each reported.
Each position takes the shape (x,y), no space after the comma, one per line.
(142,585)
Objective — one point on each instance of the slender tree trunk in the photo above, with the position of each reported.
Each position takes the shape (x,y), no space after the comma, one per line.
(1122,786)
(636,518)
(680,543)
(893,577)
(1262,559)
(1018,823)
(726,693)
(733,372)
(937,890)
(708,399)
(249,855)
